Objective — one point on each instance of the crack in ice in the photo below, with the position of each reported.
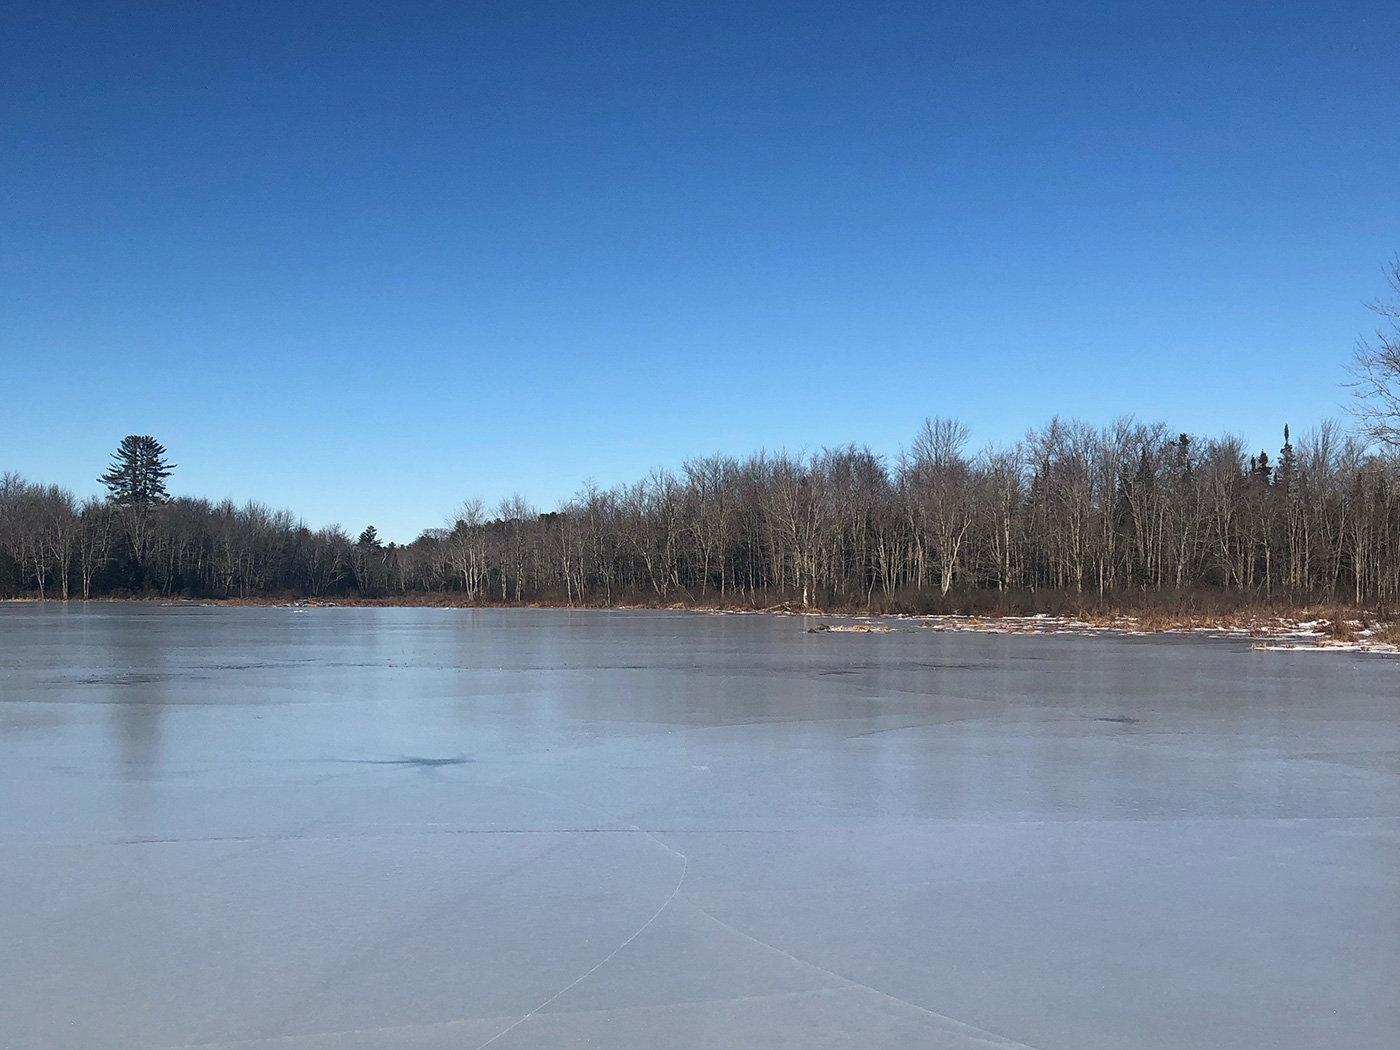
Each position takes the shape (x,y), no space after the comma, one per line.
(685,866)
(961,1027)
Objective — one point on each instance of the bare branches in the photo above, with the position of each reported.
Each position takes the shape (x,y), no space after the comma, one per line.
(1375,370)
(1071,508)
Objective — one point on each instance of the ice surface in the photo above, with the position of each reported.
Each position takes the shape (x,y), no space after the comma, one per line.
(370,828)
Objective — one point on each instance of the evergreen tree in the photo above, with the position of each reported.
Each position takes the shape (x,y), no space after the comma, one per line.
(366,559)
(1287,461)
(136,483)
(137,475)
(1181,449)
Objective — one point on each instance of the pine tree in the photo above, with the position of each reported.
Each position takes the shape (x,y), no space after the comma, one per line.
(1287,461)
(1181,447)
(136,483)
(137,475)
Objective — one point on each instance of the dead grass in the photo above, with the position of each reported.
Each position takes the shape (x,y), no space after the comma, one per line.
(1336,626)
(1386,634)
(1152,621)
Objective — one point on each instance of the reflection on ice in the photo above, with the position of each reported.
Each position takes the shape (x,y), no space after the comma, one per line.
(446,828)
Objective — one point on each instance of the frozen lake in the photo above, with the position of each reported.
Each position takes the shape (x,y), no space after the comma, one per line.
(385,828)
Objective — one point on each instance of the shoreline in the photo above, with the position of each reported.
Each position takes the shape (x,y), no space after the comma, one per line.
(1303,629)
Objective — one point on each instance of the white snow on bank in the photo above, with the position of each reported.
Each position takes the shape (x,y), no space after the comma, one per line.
(1280,634)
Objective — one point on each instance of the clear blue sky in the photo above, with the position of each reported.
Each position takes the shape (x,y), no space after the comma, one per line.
(365,260)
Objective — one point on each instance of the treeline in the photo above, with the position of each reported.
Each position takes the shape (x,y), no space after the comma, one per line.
(1102,513)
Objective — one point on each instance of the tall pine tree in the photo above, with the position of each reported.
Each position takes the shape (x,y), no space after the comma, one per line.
(136,482)
(137,475)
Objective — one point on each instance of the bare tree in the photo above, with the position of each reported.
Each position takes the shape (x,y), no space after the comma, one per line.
(60,525)
(94,541)
(1375,370)
(942,492)
(1071,507)
(467,545)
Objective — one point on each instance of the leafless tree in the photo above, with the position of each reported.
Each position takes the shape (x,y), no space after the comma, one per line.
(942,494)
(1376,369)
(1070,509)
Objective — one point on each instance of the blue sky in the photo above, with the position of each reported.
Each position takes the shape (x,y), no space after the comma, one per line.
(365,260)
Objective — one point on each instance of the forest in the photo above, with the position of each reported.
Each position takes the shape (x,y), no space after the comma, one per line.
(1071,515)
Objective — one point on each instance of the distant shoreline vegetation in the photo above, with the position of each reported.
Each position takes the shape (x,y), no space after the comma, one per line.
(1073,518)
